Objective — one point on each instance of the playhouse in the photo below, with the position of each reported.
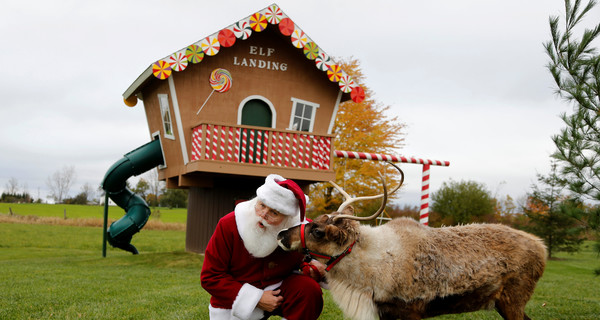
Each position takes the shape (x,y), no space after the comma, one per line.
(256,97)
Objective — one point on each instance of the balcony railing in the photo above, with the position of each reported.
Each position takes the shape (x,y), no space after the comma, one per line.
(257,145)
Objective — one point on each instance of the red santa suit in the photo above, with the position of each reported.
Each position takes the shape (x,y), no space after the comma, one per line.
(236,279)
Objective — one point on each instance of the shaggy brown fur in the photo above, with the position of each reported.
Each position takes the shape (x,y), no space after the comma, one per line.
(404,270)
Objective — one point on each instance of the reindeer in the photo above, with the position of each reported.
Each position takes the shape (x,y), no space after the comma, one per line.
(405,270)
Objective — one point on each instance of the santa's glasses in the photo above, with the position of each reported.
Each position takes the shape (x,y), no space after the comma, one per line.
(267,213)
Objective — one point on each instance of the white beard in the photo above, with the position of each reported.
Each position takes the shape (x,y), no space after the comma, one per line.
(260,242)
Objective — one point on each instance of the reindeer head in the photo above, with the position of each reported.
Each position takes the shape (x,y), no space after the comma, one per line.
(330,235)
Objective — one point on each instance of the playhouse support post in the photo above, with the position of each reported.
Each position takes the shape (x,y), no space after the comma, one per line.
(425,196)
(104,227)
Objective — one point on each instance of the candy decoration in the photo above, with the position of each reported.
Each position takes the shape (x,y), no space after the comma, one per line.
(286,26)
(346,83)
(161,69)
(258,22)
(131,101)
(178,61)
(194,53)
(274,14)
(323,61)
(334,72)
(220,80)
(242,30)
(210,45)
(226,38)
(299,39)
(311,51)
(357,94)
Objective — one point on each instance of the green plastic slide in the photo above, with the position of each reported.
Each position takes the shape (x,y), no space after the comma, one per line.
(136,162)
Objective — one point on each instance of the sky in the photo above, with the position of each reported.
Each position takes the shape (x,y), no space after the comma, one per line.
(468,78)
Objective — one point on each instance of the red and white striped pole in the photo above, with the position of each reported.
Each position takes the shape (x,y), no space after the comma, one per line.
(424,212)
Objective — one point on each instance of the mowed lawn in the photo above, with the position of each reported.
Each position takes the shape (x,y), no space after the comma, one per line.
(57,271)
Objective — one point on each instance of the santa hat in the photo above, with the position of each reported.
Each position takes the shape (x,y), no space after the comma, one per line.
(283,195)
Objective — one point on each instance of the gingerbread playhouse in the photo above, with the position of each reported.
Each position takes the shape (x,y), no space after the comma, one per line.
(257,97)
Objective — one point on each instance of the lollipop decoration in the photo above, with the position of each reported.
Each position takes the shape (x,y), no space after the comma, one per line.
(220,80)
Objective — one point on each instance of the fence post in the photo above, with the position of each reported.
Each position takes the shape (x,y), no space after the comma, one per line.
(425,196)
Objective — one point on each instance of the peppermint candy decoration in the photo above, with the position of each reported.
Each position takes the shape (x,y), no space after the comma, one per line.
(210,45)
(226,38)
(274,14)
(334,73)
(178,61)
(242,30)
(161,69)
(323,61)
(346,83)
(286,26)
(299,38)
(311,51)
(194,53)
(258,22)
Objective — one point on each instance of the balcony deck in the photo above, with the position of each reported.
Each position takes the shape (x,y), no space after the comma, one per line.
(258,151)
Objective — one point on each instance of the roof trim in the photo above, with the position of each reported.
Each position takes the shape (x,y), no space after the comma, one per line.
(243,29)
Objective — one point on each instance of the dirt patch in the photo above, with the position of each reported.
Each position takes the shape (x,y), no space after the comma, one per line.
(84,222)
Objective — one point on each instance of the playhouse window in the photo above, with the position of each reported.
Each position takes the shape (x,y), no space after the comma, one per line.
(165,113)
(303,115)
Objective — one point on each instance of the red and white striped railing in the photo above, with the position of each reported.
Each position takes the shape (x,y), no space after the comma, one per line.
(424,212)
(246,144)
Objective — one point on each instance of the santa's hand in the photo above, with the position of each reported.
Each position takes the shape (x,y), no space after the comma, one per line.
(317,270)
(270,300)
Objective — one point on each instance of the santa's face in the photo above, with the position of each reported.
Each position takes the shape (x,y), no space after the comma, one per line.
(260,227)
(270,216)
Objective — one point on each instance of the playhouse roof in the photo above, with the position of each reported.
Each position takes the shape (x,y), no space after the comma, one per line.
(243,29)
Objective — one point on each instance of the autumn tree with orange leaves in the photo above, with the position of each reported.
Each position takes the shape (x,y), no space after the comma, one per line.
(362,127)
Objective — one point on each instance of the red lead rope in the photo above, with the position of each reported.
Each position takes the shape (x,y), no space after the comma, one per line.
(333,260)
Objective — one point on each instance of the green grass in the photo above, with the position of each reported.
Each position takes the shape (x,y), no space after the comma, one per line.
(54,271)
(74,211)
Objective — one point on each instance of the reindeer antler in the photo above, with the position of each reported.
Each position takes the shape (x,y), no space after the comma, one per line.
(383,203)
(350,200)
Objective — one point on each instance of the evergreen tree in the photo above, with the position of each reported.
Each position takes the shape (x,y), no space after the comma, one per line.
(575,66)
(553,216)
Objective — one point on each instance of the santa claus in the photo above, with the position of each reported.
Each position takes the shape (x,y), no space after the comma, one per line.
(246,273)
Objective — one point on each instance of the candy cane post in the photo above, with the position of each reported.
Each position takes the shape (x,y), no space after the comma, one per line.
(424,213)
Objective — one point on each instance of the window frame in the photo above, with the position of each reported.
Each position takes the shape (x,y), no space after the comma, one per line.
(295,102)
(162,97)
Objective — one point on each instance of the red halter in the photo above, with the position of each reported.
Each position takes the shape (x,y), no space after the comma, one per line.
(333,260)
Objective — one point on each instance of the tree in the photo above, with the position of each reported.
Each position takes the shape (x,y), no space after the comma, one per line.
(360,127)
(462,202)
(141,188)
(552,215)
(12,186)
(575,66)
(60,182)
(174,198)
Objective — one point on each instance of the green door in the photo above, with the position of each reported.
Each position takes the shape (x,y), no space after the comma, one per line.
(255,113)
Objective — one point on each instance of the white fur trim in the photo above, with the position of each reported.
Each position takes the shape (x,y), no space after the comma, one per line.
(244,306)
(277,197)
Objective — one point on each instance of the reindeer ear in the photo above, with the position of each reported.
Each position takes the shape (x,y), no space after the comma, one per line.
(336,234)
(349,210)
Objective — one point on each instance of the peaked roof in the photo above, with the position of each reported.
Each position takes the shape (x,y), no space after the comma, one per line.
(243,29)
